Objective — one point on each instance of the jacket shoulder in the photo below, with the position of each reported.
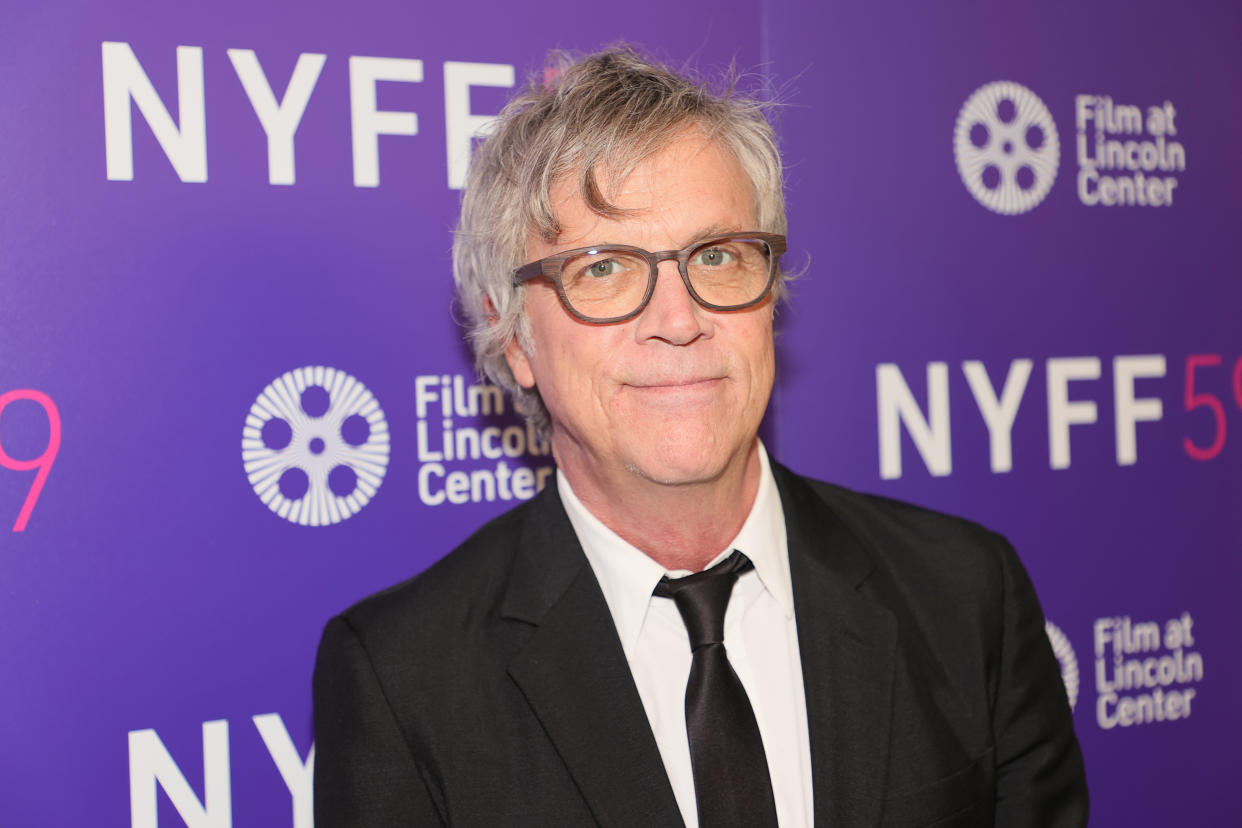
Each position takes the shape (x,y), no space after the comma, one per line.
(878,514)
(924,555)
(461,591)
(894,526)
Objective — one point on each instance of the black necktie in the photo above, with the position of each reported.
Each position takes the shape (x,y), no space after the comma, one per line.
(731,784)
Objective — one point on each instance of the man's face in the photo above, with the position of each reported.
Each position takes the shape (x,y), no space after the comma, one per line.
(676,394)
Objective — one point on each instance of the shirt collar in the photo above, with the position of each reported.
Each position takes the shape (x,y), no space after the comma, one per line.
(628,577)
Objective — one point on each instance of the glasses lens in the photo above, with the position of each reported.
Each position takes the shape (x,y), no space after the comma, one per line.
(605,283)
(730,272)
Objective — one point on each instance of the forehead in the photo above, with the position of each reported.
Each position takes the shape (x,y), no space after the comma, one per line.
(690,188)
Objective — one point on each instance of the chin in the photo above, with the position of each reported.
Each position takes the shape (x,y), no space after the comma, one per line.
(680,462)
(669,475)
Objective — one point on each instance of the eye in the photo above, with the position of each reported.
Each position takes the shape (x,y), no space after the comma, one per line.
(713,257)
(604,268)
(600,268)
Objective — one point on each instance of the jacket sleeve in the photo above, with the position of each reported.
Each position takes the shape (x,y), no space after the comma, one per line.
(365,774)
(1040,779)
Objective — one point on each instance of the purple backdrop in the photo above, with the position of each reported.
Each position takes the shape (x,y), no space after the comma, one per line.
(1045,341)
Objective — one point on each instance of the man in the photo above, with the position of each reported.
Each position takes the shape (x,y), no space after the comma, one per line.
(855,661)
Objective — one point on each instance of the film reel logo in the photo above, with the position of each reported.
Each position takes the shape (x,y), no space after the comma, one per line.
(1065,657)
(1006,147)
(315,446)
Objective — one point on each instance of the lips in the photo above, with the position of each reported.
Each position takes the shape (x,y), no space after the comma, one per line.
(687,383)
(680,391)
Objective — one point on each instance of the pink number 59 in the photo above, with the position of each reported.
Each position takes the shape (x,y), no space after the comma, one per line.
(43,463)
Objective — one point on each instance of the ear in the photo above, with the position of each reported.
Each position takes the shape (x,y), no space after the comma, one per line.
(519,362)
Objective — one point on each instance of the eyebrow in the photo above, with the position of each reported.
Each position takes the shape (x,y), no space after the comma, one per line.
(711,231)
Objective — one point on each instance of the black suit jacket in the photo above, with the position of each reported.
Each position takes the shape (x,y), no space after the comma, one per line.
(492,690)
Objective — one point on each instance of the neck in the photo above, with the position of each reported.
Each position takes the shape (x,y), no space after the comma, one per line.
(679,526)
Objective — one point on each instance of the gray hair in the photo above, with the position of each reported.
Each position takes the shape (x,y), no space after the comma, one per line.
(612,110)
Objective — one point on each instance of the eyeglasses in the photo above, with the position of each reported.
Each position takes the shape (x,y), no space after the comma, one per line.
(614,282)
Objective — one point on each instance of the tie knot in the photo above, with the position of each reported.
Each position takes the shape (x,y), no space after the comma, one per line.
(703,597)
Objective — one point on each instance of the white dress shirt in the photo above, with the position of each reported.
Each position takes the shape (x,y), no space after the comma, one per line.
(761,639)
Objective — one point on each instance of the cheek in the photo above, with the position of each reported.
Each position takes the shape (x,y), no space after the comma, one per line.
(540,363)
(571,368)
(760,349)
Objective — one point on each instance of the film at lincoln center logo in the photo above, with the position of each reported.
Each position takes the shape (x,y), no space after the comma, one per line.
(1006,147)
(315,446)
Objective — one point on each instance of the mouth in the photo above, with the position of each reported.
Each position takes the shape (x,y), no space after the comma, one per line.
(675,385)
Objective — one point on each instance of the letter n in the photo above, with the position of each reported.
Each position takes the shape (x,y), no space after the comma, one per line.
(124,80)
(896,405)
(151,767)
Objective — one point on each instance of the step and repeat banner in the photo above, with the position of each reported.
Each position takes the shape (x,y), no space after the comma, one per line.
(234,399)
(1023,305)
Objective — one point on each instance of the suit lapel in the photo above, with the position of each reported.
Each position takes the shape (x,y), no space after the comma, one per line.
(574,675)
(847,646)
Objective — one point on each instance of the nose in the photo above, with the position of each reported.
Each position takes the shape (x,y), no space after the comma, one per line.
(672,315)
